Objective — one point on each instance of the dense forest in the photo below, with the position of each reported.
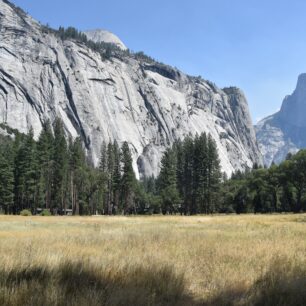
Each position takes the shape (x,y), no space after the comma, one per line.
(53,174)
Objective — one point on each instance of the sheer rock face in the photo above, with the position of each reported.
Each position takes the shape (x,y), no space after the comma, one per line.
(285,131)
(148,105)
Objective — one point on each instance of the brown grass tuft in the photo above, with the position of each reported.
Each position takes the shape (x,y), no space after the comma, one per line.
(82,284)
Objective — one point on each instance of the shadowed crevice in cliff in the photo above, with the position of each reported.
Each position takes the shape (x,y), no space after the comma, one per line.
(73,115)
(153,113)
(107,81)
(23,90)
(164,70)
(19,12)
(8,51)
(83,284)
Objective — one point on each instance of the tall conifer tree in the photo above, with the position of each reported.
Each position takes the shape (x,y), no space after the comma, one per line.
(128,180)
(60,158)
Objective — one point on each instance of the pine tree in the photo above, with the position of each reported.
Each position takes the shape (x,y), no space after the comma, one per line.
(60,167)
(167,183)
(180,158)
(45,156)
(128,180)
(110,175)
(93,194)
(6,184)
(103,176)
(188,147)
(26,170)
(201,172)
(76,169)
(116,177)
(103,158)
(213,175)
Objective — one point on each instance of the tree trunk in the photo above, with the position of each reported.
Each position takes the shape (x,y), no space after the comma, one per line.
(298,207)
(72,193)
(77,204)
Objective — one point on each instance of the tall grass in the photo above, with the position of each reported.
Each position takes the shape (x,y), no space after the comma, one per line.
(80,283)
(220,260)
(283,284)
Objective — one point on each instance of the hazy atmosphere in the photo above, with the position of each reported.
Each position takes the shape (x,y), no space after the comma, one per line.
(255,45)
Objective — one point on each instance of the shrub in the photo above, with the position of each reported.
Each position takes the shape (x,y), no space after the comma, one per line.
(46,213)
(25,213)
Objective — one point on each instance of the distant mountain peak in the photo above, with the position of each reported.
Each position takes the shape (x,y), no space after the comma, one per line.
(284,131)
(301,83)
(293,109)
(100,35)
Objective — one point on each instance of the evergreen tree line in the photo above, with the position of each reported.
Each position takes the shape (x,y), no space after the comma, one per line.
(54,174)
(280,188)
(190,177)
(191,182)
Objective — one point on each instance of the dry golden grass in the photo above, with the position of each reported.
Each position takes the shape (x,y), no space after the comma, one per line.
(217,260)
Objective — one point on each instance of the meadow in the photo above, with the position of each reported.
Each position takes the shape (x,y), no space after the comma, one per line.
(153,260)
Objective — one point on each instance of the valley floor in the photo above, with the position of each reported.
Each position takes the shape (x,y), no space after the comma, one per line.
(158,260)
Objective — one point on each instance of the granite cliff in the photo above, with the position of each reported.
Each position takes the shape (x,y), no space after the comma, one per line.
(123,97)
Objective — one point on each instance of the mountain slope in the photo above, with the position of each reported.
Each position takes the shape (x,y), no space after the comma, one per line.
(125,97)
(284,131)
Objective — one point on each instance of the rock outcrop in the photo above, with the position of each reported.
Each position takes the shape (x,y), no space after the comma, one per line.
(105,36)
(285,131)
(148,104)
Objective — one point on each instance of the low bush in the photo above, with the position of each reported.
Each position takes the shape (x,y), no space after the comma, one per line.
(46,213)
(25,213)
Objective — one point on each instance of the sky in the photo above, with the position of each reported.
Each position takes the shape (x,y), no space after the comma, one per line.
(257,45)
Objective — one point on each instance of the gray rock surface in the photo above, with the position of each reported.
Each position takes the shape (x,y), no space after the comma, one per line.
(150,105)
(284,131)
(100,35)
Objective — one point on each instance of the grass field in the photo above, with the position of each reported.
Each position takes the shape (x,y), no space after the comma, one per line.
(215,260)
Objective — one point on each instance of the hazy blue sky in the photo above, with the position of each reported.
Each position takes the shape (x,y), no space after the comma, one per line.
(257,45)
